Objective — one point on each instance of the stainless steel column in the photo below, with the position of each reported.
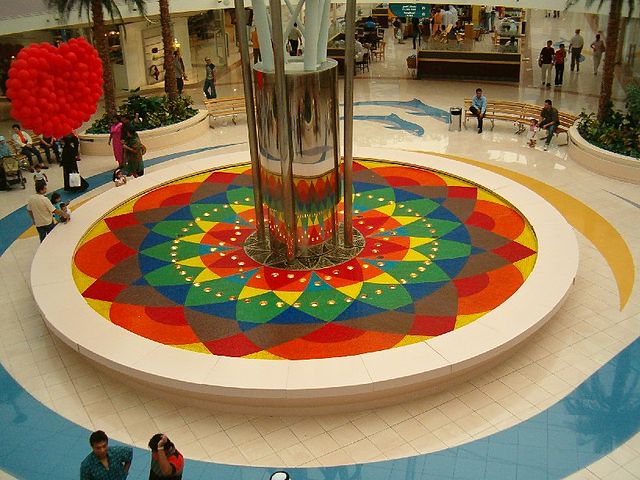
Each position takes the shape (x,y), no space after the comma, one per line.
(284,131)
(349,71)
(247,80)
(312,103)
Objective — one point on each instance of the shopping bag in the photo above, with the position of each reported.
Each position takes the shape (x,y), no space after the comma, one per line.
(74,180)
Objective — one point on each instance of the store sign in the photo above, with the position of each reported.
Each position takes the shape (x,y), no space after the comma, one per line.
(410,9)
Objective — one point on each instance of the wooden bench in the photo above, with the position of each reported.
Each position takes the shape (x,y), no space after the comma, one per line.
(521,114)
(225,107)
(17,151)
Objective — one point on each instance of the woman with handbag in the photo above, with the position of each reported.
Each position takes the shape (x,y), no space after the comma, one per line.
(73,182)
(133,150)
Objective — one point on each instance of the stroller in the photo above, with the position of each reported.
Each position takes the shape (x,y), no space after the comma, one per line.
(13,172)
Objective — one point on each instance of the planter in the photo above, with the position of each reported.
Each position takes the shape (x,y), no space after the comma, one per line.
(155,139)
(604,162)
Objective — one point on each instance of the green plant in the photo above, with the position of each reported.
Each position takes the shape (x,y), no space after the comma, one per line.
(154,112)
(633,100)
(619,132)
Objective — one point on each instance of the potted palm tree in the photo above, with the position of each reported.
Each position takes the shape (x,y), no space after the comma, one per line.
(611,49)
(160,117)
(607,142)
(100,42)
(170,85)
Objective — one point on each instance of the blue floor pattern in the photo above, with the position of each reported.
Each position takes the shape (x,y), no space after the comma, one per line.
(594,419)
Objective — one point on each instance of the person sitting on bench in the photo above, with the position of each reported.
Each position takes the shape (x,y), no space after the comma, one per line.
(479,107)
(549,120)
(24,142)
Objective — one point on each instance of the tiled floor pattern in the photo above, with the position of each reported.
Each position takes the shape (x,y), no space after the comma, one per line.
(438,254)
(587,332)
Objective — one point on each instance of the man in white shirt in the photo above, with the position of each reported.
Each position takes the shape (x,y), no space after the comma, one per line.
(295,35)
(575,46)
(24,142)
(41,211)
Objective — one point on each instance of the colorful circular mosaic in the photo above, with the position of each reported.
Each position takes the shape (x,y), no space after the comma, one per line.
(169,265)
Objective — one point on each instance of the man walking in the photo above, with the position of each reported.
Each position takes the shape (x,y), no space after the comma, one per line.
(559,58)
(545,61)
(210,79)
(178,66)
(294,40)
(104,462)
(549,120)
(41,210)
(479,107)
(575,44)
(598,49)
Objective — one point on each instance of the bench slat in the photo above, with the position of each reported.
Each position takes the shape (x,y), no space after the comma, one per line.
(225,107)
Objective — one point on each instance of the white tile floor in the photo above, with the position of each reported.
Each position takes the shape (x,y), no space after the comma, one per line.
(586,332)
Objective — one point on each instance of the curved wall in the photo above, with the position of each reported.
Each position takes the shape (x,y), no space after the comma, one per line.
(609,164)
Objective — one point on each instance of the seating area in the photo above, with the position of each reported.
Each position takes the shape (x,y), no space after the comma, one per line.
(225,107)
(521,114)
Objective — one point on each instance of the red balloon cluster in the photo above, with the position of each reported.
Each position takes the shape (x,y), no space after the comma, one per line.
(55,90)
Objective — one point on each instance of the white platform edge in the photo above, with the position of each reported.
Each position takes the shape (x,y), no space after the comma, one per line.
(305,382)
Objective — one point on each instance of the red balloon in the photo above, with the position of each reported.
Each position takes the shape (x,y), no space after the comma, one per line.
(52,90)
(18,64)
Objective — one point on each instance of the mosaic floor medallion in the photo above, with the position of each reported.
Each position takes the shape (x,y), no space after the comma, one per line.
(169,265)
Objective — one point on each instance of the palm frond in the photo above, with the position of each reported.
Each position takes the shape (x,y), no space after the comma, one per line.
(66,7)
(589,3)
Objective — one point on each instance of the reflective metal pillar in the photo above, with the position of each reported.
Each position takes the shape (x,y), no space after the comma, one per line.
(312,102)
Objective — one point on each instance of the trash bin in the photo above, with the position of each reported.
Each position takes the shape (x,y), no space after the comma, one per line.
(455,118)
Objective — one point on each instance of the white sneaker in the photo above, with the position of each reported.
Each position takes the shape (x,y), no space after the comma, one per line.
(546,147)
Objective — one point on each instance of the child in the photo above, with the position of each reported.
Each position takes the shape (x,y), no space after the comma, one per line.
(119,178)
(66,209)
(38,175)
(533,128)
(56,200)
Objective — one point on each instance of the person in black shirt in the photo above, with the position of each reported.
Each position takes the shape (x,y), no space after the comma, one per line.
(546,62)
(549,120)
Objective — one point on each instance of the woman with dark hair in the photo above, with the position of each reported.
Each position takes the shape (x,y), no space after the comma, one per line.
(133,150)
(115,139)
(70,156)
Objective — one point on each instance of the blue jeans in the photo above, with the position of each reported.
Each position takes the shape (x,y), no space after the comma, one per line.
(550,129)
(209,89)
(44,230)
(30,151)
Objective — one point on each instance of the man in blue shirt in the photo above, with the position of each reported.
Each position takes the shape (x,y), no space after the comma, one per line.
(479,107)
(104,462)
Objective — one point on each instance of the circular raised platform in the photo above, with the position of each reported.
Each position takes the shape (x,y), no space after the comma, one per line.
(599,160)
(151,280)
